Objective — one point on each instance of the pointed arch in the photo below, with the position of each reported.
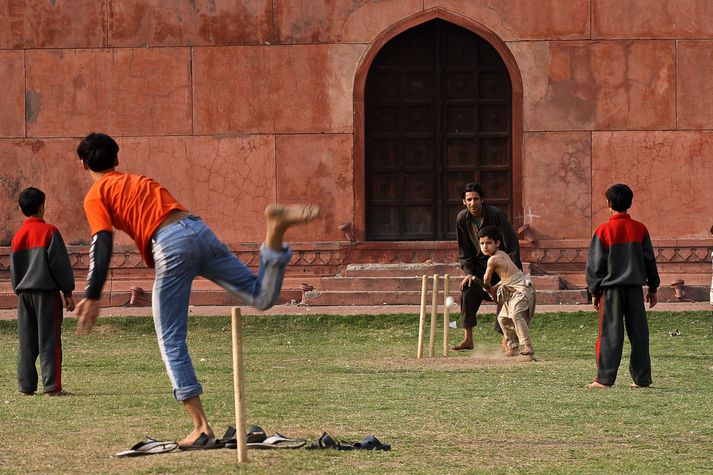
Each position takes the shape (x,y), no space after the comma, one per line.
(359,106)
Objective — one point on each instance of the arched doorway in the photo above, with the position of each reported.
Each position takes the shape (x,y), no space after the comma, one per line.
(437,107)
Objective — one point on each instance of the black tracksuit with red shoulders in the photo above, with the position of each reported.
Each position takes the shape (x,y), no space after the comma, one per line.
(621,260)
(40,269)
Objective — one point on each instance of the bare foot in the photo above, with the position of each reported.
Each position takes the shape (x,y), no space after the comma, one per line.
(512,352)
(29,393)
(637,386)
(464,345)
(193,436)
(61,392)
(280,217)
(528,351)
(288,215)
(596,385)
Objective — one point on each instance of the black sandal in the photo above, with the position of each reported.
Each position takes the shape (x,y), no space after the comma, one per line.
(327,442)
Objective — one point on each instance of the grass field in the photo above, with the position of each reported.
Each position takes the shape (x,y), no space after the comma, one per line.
(353,376)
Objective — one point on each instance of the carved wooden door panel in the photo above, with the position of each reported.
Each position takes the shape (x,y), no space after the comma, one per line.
(437,116)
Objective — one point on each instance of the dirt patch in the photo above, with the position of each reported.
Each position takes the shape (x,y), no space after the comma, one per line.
(475,359)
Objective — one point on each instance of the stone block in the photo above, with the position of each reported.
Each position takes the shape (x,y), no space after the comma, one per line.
(53,167)
(695,90)
(330,21)
(317,169)
(12,99)
(611,85)
(669,173)
(652,19)
(161,23)
(55,24)
(121,91)
(300,88)
(227,181)
(525,19)
(556,184)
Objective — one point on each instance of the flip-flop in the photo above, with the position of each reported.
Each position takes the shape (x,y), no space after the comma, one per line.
(327,442)
(255,434)
(148,446)
(371,443)
(203,442)
(277,441)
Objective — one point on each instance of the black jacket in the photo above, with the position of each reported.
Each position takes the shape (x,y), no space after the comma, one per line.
(472,260)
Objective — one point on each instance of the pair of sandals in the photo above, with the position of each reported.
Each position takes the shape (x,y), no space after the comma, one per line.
(326,441)
(151,446)
(258,439)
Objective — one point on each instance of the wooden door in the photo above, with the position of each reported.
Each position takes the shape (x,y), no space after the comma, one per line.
(438,113)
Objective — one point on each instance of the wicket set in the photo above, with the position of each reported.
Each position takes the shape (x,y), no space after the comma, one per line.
(434,315)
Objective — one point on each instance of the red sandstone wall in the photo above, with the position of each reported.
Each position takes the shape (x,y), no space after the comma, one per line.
(234,105)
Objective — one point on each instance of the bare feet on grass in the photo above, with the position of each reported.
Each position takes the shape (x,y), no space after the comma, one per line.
(513,352)
(281,217)
(596,385)
(528,351)
(637,386)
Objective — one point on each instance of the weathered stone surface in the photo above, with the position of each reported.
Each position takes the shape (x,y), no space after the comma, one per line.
(556,188)
(122,91)
(601,86)
(317,169)
(161,23)
(227,181)
(275,89)
(695,88)
(525,19)
(317,21)
(12,99)
(670,173)
(53,167)
(652,19)
(54,24)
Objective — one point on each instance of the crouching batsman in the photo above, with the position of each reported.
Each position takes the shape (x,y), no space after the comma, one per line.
(621,260)
(180,247)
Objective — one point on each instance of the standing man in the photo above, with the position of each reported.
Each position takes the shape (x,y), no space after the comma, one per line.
(475,216)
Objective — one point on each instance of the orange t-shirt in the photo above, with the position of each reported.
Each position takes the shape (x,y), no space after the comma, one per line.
(134,204)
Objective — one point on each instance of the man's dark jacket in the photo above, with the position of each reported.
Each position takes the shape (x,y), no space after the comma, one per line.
(472,260)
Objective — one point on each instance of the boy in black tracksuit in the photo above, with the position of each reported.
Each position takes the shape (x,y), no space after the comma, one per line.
(40,269)
(621,260)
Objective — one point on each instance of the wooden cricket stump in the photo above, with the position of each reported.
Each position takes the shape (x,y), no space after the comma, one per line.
(434,315)
(240,430)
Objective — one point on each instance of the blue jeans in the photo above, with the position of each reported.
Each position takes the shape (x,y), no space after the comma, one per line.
(183,251)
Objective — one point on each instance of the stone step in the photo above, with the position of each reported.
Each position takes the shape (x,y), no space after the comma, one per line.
(317,298)
(411,283)
(401,270)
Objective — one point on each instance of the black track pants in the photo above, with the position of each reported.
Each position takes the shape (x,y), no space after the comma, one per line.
(619,308)
(39,330)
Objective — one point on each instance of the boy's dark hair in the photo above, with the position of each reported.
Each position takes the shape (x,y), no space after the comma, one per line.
(472,187)
(620,197)
(490,231)
(30,200)
(98,151)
